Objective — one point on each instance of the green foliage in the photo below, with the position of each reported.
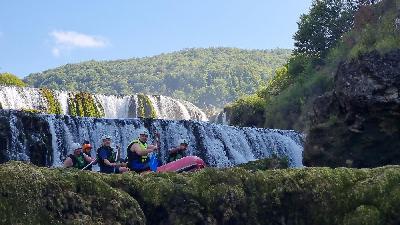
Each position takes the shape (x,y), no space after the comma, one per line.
(212,76)
(276,84)
(320,47)
(145,108)
(364,214)
(287,110)
(380,34)
(286,99)
(9,79)
(312,196)
(324,25)
(247,111)
(54,107)
(83,104)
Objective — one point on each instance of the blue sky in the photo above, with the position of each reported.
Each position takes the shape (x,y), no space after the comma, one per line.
(40,35)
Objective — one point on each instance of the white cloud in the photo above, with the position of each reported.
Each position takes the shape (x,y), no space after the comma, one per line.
(67,40)
(55,51)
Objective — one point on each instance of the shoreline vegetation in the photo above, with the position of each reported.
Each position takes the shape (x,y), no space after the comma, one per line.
(39,195)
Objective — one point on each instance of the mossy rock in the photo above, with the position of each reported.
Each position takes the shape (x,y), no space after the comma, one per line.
(31,111)
(145,107)
(33,195)
(54,106)
(84,104)
(273,162)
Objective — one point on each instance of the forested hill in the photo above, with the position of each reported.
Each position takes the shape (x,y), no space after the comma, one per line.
(211,76)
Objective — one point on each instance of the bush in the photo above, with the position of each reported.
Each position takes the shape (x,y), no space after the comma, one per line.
(288,109)
(247,111)
(9,79)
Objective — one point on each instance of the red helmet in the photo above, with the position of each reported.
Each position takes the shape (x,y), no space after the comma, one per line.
(86,147)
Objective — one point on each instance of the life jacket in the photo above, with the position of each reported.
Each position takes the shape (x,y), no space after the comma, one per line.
(110,155)
(176,155)
(133,157)
(78,162)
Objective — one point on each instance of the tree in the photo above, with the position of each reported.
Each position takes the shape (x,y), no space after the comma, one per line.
(9,79)
(212,76)
(325,24)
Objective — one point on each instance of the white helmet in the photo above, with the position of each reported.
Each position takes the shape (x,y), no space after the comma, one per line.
(143,131)
(75,146)
(106,137)
(183,141)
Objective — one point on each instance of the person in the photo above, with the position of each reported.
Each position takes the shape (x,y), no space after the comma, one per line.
(78,159)
(138,153)
(107,158)
(87,149)
(178,152)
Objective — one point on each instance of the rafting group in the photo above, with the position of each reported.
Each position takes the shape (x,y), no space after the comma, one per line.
(140,157)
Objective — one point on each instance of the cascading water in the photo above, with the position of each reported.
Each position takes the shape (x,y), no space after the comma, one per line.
(166,106)
(111,106)
(115,107)
(217,145)
(21,98)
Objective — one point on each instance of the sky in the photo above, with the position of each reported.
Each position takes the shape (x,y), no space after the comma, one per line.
(43,34)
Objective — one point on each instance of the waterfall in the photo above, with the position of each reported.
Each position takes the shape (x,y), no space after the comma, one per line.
(166,106)
(223,117)
(114,106)
(62,97)
(111,106)
(21,98)
(217,145)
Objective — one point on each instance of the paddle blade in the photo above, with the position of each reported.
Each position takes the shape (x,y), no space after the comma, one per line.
(153,162)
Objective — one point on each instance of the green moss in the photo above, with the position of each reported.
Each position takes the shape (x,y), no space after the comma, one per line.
(34,111)
(84,104)
(32,195)
(72,107)
(54,107)
(274,162)
(145,107)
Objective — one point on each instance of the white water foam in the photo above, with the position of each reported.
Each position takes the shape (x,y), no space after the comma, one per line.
(113,106)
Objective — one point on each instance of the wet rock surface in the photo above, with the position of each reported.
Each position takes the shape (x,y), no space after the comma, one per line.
(28,135)
(358,123)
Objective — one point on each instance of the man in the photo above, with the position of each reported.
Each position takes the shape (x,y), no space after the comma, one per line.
(87,149)
(78,159)
(178,152)
(138,152)
(107,158)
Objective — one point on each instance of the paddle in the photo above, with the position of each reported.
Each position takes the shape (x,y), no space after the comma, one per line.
(117,155)
(89,164)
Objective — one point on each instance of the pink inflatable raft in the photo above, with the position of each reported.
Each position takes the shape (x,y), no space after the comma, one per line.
(185,164)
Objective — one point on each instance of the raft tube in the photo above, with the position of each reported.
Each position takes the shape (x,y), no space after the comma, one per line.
(185,164)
